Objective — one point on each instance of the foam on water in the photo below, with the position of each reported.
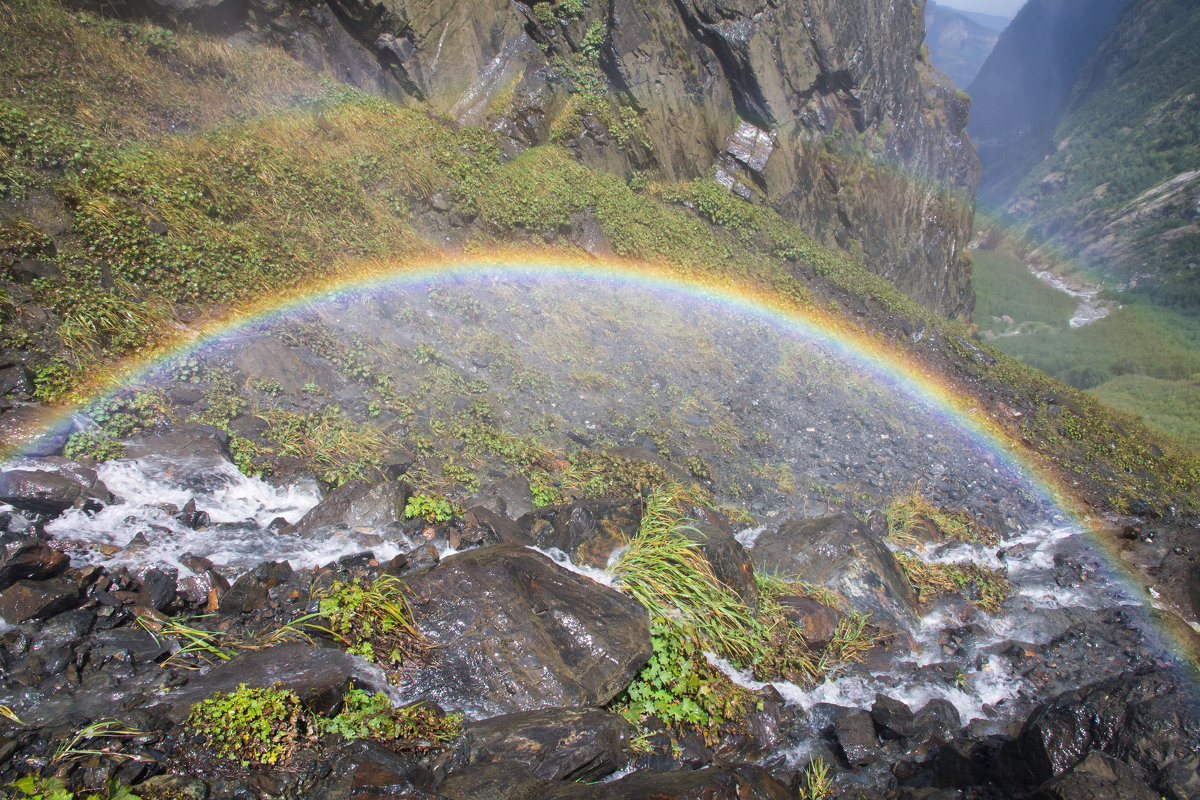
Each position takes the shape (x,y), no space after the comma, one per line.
(563,560)
(243,507)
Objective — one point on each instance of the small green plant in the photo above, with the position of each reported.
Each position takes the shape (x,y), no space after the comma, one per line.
(75,746)
(39,788)
(90,444)
(680,687)
(372,619)
(818,782)
(431,508)
(268,386)
(252,726)
(372,716)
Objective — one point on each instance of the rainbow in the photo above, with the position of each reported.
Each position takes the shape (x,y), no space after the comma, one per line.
(884,361)
(878,358)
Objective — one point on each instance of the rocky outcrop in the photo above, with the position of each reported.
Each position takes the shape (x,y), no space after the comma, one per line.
(828,114)
(512,631)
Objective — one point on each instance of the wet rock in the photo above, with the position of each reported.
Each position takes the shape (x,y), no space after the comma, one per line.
(512,631)
(840,553)
(40,491)
(855,732)
(190,516)
(158,588)
(248,594)
(16,378)
(320,676)
(1097,777)
(26,600)
(29,559)
(188,446)
(1140,717)
(588,531)
(893,718)
(936,721)
(495,529)
(729,560)
(23,429)
(179,786)
(268,358)
(580,744)
(357,504)
(740,782)
(138,644)
(818,621)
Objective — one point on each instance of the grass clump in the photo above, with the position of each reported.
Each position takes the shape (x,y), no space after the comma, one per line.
(252,726)
(913,519)
(372,620)
(337,448)
(372,716)
(39,788)
(986,588)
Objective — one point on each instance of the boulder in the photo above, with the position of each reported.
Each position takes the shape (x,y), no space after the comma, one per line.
(840,553)
(576,744)
(29,559)
(729,560)
(855,732)
(186,445)
(26,600)
(320,676)
(818,621)
(357,504)
(1140,717)
(894,719)
(588,531)
(508,781)
(40,491)
(1097,777)
(512,631)
(24,429)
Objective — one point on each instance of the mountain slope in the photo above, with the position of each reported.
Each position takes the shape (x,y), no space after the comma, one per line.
(1120,191)
(958,45)
(1019,92)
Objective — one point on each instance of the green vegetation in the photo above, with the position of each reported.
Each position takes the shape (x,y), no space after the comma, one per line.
(985,588)
(267,727)
(818,781)
(1004,286)
(38,788)
(431,509)
(252,726)
(97,446)
(1171,407)
(913,518)
(372,619)
(372,716)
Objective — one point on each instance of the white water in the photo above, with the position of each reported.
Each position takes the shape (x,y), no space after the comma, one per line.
(240,509)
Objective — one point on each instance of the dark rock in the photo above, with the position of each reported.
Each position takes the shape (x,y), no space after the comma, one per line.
(740,782)
(514,492)
(505,780)
(855,733)
(512,631)
(729,560)
(40,491)
(248,594)
(818,621)
(839,552)
(178,786)
(26,600)
(29,559)
(357,504)
(16,378)
(554,744)
(367,765)
(273,573)
(936,721)
(189,446)
(588,531)
(29,269)
(893,718)
(495,529)
(268,358)
(319,676)
(158,588)
(139,644)
(23,429)
(1140,717)
(1097,777)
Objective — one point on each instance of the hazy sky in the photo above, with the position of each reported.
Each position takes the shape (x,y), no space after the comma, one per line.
(1005,8)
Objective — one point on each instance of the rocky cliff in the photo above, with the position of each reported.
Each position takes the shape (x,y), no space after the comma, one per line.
(826,113)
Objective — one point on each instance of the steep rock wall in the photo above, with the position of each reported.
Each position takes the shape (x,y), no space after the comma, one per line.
(824,109)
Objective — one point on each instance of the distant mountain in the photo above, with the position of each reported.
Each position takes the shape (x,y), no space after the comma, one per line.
(1118,187)
(1019,94)
(993,22)
(958,44)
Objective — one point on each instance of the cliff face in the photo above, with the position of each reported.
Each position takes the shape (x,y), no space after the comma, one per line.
(825,111)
